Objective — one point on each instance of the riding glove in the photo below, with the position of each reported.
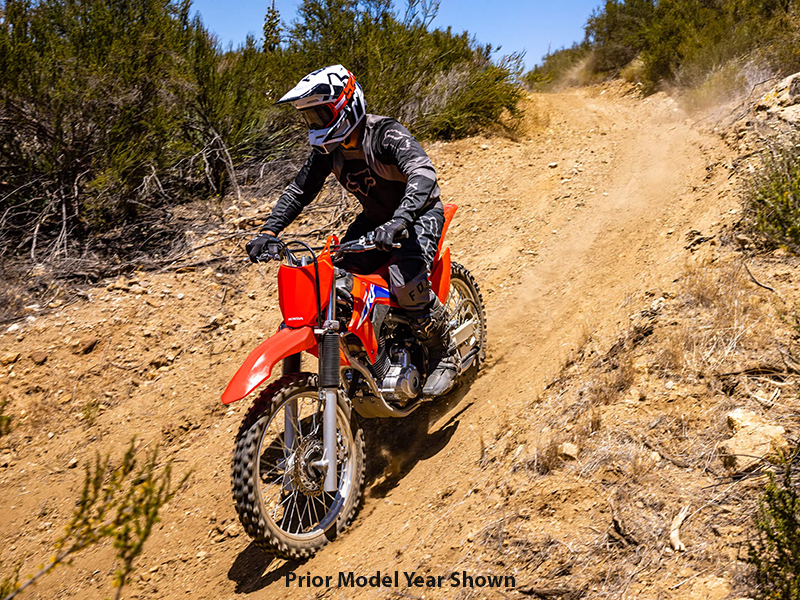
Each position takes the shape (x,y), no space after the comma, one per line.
(263,247)
(386,233)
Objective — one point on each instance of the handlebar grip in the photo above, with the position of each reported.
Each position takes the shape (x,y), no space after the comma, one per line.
(403,235)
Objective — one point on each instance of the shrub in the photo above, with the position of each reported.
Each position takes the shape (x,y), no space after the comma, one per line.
(682,41)
(772,199)
(119,503)
(5,420)
(775,551)
(111,109)
(556,66)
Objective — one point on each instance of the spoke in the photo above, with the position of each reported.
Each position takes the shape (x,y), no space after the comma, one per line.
(281,503)
(314,500)
(300,521)
(279,483)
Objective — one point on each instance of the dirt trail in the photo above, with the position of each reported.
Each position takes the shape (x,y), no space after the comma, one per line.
(567,231)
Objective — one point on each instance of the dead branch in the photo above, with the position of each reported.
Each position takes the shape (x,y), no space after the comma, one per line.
(194,265)
(674,530)
(758,283)
(766,403)
(765,369)
(551,593)
(666,455)
(788,360)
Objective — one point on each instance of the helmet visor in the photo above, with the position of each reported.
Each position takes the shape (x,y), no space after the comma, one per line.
(318,117)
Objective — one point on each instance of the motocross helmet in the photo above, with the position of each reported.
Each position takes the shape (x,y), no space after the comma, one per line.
(332,104)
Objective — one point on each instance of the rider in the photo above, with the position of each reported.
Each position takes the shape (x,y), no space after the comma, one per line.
(377,160)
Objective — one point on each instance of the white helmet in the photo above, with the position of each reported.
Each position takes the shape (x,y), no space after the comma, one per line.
(332,104)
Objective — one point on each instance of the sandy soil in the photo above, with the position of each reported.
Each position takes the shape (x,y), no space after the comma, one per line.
(569,231)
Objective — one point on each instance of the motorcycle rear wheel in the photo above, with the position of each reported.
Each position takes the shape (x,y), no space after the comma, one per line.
(465,303)
(277,491)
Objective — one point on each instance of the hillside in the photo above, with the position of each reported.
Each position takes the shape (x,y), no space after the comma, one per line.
(594,239)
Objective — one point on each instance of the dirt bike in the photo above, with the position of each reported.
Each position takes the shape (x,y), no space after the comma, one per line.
(299,464)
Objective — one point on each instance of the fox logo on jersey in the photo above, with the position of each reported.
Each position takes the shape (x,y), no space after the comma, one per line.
(360,182)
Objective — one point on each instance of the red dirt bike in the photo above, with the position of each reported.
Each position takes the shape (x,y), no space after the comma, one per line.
(298,467)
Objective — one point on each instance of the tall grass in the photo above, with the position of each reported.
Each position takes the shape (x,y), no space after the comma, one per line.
(772,198)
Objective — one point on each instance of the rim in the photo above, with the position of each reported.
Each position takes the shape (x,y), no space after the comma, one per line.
(289,487)
(461,306)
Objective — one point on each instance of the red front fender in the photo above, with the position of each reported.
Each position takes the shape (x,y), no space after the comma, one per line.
(258,366)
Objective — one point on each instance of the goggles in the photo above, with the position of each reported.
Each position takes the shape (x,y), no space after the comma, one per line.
(319,117)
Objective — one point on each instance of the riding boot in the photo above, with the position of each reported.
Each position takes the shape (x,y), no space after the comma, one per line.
(433,331)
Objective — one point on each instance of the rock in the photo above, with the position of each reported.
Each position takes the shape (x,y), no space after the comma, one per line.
(73,462)
(782,100)
(786,93)
(213,322)
(39,357)
(159,361)
(9,358)
(12,328)
(753,440)
(121,284)
(705,588)
(5,460)
(553,165)
(568,451)
(740,418)
(86,345)
(233,530)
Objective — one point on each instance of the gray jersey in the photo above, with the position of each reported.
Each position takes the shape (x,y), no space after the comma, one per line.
(389,173)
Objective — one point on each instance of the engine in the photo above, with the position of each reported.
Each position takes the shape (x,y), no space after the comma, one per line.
(402,381)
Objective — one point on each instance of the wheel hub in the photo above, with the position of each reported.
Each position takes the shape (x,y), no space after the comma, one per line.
(306,476)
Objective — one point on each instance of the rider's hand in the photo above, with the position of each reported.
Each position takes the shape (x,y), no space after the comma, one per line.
(263,247)
(386,233)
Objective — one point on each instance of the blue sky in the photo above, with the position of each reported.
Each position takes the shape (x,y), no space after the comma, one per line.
(515,25)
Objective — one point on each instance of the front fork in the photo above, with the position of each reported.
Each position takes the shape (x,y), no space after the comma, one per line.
(328,395)
(329,390)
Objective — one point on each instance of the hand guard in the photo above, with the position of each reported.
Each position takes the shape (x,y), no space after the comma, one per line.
(263,248)
(386,233)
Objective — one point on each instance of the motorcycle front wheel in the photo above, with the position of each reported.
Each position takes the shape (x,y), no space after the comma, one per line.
(277,473)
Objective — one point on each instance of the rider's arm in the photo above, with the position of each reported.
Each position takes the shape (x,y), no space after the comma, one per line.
(300,192)
(399,147)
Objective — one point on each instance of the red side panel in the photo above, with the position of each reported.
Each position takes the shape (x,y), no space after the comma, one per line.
(297,290)
(258,366)
(440,277)
(449,211)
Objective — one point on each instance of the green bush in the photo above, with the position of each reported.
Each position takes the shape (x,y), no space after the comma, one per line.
(5,420)
(683,41)
(775,551)
(118,503)
(556,65)
(109,109)
(772,199)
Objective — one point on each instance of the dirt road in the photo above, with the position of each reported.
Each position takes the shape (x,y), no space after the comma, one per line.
(568,231)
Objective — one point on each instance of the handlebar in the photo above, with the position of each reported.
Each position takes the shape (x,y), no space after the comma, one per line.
(365,243)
